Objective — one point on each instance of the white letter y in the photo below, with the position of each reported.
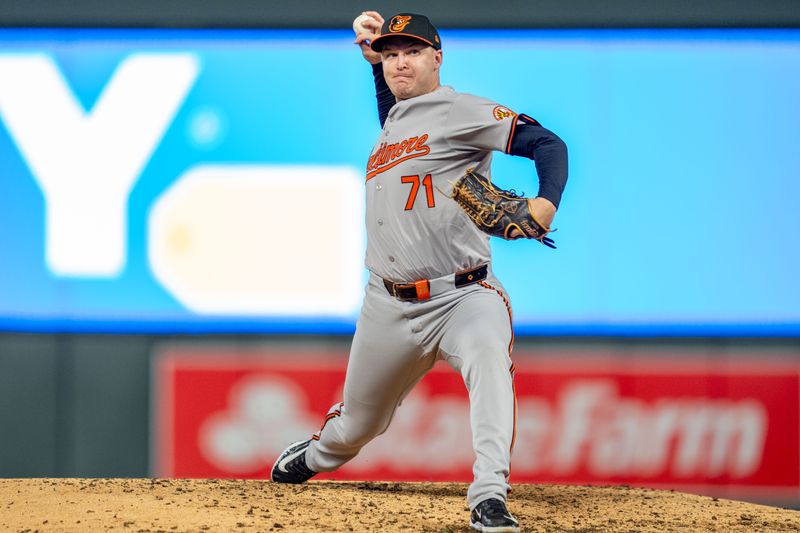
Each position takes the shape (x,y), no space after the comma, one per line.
(87,163)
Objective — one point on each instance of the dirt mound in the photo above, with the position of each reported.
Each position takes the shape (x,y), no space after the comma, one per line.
(168,505)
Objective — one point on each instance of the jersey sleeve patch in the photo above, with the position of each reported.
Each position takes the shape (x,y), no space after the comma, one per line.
(501,112)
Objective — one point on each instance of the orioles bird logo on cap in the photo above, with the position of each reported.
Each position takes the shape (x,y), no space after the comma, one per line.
(399,23)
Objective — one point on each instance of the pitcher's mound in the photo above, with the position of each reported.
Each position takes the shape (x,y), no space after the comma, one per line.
(173,505)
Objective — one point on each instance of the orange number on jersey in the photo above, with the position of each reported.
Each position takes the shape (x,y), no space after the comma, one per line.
(428,183)
(414,181)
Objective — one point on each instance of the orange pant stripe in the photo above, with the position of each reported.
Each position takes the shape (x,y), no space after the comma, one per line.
(510,349)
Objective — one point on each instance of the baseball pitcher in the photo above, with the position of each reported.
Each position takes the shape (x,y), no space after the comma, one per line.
(430,211)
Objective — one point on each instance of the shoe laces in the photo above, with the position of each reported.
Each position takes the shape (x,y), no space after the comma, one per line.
(299,465)
(495,507)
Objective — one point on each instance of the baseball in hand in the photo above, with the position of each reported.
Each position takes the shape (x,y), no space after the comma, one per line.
(358,24)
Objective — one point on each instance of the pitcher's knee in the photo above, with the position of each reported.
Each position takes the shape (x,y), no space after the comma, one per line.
(357,433)
(475,348)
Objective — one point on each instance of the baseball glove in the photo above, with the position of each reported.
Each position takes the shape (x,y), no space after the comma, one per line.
(496,211)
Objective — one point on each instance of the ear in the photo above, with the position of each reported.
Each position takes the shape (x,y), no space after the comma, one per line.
(437,59)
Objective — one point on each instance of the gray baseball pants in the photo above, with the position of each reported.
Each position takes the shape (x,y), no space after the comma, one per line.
(396,342)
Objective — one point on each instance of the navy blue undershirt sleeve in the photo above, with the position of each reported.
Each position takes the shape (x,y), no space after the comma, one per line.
(548,152)
(382,92)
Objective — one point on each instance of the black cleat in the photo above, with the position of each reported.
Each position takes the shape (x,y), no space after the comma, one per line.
(491,515)
(291,464)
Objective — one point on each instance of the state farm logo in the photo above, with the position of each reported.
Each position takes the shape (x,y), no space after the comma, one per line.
(264,415)
(591,429)
(588,431)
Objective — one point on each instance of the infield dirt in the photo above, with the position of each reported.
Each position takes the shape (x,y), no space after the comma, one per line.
(181,505)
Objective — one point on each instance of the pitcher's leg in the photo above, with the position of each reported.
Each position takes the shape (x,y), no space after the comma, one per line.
(385,363)
(477,344)
(362,417)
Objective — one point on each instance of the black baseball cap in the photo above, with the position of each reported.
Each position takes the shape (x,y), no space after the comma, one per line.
(408,25)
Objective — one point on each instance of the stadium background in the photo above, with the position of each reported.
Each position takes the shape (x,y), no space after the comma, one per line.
(684,143)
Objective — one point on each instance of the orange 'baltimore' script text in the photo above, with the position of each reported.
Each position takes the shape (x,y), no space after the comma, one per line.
(389,155)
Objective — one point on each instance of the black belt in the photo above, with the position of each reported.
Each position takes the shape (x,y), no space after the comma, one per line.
(420,290)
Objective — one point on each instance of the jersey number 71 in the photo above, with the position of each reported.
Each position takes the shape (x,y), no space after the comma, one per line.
(414,181)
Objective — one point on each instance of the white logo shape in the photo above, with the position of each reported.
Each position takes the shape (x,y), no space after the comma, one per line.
(86,163)
(227,240)
(288,459)
(265,413)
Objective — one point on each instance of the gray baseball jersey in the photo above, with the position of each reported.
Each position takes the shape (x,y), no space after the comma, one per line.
(417,232)
(414,230)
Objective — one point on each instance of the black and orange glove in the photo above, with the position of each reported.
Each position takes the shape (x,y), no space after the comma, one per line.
(496,211)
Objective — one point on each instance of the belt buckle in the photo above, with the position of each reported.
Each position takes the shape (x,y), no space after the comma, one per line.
(403,286)
(423,289)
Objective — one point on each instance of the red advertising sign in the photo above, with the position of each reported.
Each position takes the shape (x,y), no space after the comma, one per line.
(729,427)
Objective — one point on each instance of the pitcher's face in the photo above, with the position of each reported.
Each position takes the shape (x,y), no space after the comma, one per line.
(411,68)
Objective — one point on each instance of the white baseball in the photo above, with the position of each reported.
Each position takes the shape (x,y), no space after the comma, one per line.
(358,24)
